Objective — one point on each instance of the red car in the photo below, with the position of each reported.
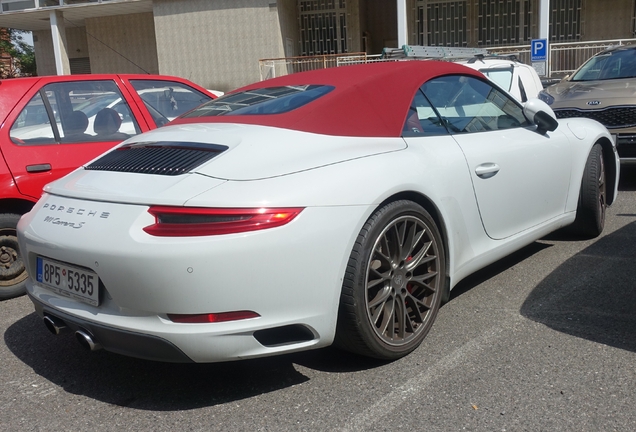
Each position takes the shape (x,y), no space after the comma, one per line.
(51,125)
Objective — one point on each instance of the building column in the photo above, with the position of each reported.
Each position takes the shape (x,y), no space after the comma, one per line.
(402,36)
(544,19)
(58,32)
(544,32)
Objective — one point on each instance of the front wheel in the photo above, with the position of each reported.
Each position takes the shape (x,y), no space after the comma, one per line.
(394,283)
(590,214)
(13,275)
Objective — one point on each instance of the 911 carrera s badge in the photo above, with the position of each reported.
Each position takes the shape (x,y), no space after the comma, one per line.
(594,102)
(58,221)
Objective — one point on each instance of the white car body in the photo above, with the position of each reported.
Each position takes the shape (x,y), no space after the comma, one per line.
(489,201)
(518,79)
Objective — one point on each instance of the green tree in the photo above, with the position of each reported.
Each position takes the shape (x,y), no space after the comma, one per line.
(22,55)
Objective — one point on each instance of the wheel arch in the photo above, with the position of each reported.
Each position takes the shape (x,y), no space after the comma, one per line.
(15,205)
(610,168)
(436,214)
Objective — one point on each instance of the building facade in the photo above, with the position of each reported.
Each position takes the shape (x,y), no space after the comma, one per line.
(218,43)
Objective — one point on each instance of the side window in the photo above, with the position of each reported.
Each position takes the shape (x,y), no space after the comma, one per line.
(33,125)
(81,111)
(421,119)
(467,104)
(502,77)
(166,100)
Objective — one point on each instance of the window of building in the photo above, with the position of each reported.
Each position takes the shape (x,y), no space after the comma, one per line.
(442,23)
(503,22)
(565,20)
(474,22)
(323,27)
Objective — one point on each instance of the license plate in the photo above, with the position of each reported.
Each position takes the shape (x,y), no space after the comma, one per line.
(68,280)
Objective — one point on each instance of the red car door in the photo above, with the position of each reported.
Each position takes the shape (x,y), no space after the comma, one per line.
(62,123)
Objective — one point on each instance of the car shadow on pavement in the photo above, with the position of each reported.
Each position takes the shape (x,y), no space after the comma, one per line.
(490,271)
(157,386)
(627,181)
(592,295)
(143,384)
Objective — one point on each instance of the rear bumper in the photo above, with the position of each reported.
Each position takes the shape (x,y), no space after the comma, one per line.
(119,341)
(290,276)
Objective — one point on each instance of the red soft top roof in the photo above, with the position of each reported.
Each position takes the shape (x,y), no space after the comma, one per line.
(369,100)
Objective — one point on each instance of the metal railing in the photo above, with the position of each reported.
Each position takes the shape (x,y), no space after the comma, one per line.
(564,58)
(271,68)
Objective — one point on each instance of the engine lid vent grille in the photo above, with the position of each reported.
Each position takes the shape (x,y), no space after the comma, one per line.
(169,158)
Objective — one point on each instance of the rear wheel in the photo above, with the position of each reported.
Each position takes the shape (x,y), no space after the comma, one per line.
(590,214)
(394,283)
(12,272)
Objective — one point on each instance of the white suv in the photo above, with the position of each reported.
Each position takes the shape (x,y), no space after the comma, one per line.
(519,79)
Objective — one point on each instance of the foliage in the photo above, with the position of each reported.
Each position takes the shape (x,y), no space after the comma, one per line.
(18,56)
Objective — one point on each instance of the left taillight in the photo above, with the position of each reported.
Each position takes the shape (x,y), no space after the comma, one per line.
(197,221)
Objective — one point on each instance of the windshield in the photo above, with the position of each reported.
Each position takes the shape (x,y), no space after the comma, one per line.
(271,100)
(608,65)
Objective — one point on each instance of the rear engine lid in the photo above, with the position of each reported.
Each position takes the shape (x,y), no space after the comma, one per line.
(132,188)
(236,151)
(174,164)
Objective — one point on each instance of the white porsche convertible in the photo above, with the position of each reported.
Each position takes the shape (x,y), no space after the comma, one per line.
(337,206)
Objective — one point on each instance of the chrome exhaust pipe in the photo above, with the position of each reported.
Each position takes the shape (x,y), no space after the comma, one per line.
(55,325)
(87,340)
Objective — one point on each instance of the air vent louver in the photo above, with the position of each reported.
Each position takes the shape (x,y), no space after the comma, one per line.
(161,158)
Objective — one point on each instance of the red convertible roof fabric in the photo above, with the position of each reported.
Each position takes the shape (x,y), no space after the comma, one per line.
(369,100)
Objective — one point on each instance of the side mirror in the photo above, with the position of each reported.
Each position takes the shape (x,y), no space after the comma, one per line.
(540,113)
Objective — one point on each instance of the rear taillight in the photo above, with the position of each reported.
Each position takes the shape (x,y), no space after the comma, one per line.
(196,221)
(212,317)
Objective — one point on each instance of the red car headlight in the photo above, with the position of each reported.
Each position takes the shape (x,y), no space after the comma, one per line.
(197,221)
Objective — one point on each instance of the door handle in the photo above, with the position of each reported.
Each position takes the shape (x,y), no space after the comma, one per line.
(487,170)
(38,168)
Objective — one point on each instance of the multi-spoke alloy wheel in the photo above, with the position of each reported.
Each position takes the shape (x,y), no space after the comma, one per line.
(394,283)
(602,203)
(590,214)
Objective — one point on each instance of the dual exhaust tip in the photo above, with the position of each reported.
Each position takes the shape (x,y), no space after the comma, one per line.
(84,337)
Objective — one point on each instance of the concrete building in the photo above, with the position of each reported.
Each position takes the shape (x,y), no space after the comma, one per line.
(218,43)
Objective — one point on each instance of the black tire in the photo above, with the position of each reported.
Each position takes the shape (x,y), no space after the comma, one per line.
(590,214)
(13,275)
(394,283)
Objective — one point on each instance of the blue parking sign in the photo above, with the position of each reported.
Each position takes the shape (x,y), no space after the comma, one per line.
(539,50)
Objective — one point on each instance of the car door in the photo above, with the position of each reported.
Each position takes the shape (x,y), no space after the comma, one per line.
(62,126)
(520,177)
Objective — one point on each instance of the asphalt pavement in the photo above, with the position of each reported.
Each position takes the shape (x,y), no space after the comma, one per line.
(543,340)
